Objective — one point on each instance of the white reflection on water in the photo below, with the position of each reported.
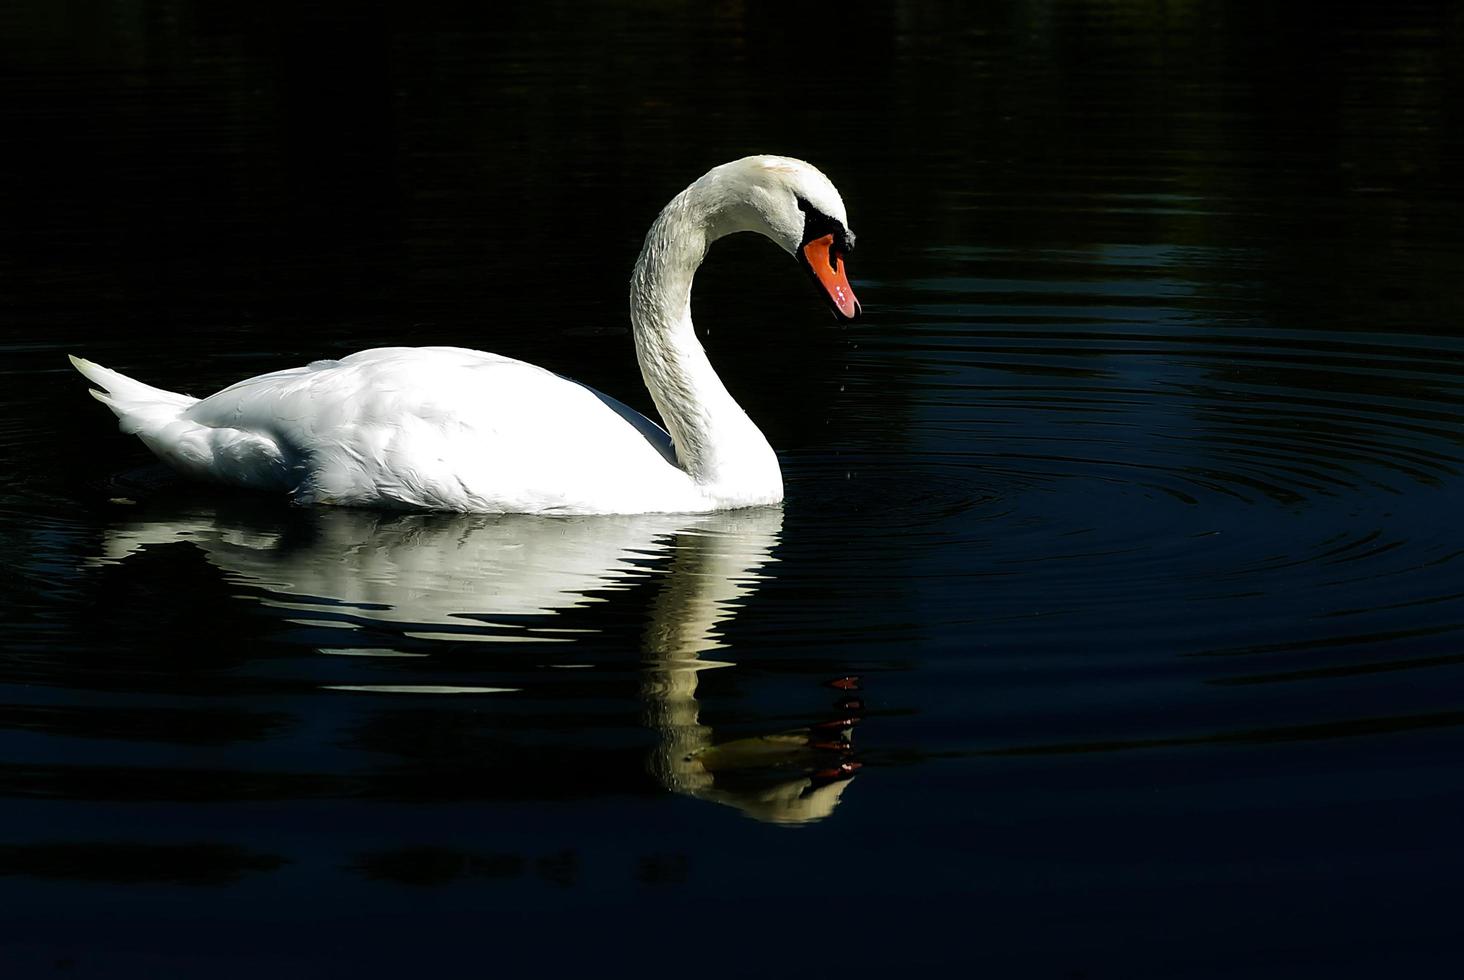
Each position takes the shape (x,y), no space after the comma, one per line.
(496,578)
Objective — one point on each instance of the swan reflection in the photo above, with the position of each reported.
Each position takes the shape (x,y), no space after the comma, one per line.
(511,579)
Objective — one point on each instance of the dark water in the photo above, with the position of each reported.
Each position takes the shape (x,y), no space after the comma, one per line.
(1114,623)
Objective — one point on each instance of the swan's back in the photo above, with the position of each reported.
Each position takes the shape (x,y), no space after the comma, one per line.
(449,429)
(439,428)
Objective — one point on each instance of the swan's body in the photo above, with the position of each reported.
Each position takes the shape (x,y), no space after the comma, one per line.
(444,428)
(436,428)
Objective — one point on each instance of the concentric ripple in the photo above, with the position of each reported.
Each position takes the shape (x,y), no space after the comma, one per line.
(1115,445)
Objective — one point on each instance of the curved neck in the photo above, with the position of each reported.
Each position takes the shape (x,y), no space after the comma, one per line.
(716,443)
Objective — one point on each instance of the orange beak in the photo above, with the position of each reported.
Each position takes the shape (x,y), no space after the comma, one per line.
(828,270)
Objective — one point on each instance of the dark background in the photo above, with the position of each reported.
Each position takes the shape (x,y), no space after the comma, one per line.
(1132,501)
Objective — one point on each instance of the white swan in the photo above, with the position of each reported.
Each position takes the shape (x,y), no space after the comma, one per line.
(443,428)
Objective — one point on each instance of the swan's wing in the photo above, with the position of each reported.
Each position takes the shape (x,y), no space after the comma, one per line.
(447,428)
(653,433)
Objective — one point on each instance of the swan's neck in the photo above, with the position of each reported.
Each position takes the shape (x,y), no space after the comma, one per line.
(716,443)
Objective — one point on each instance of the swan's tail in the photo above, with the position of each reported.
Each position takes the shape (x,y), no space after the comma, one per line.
(160,419)
(153,415)
(141,409)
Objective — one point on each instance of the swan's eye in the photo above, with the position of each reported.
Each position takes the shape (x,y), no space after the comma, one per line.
(816,224)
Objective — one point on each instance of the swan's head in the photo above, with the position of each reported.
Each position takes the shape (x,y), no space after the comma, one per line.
(795,205)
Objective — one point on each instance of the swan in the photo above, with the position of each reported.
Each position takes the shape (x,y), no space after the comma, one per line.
(446,428)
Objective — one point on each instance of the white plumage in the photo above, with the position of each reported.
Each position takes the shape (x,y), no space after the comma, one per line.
(444,428)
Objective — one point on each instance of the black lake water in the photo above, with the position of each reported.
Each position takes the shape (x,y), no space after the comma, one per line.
(1114,621)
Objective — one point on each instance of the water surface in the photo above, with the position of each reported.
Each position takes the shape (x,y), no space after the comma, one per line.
(1114,621)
